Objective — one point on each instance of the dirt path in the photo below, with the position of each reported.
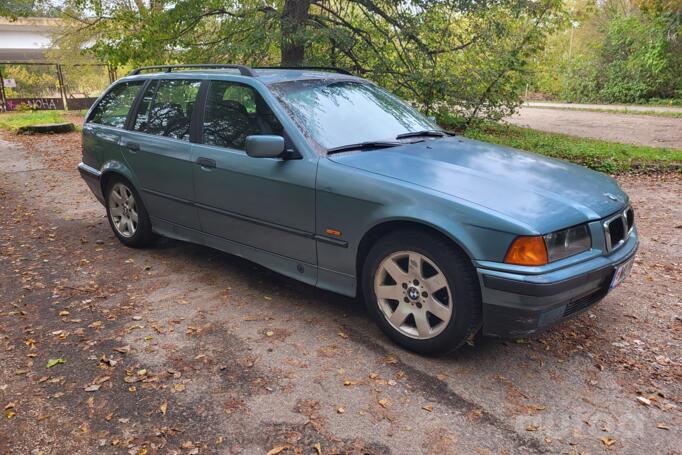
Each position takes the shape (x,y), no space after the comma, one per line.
(629,129)
(182,349)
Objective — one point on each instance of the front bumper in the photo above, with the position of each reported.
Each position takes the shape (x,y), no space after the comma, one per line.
(517,305)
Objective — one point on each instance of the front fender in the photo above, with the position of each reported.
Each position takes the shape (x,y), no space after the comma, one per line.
(352,202)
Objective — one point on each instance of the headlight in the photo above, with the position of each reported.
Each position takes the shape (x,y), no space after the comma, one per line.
(562,244)
(539,250)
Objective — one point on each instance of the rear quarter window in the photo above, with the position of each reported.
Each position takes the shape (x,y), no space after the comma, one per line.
(113,108)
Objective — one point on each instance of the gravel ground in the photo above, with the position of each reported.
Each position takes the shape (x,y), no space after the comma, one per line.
(630,129)
(182,349)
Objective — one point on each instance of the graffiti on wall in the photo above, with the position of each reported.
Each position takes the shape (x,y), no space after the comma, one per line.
(35,104)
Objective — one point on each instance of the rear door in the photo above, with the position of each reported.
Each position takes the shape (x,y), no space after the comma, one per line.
(158,150)
(266,203)
(104,126)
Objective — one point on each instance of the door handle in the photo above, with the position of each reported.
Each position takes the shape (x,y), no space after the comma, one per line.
(133,146)
(206,162)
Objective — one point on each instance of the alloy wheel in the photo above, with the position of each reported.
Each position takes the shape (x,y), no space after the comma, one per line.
(413,294)
(123,210)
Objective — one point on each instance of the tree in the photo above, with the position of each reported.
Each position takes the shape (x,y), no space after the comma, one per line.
(623,51)
(464,55)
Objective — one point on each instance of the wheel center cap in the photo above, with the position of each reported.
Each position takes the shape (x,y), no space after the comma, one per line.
(413,293)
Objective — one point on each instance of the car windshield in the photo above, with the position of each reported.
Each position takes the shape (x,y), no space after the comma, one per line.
(337,113)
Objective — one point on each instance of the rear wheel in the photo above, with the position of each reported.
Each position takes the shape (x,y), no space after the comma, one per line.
(127,214)
(422,291)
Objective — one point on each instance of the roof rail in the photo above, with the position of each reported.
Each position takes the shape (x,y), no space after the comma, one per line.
(319,68)
(243,70)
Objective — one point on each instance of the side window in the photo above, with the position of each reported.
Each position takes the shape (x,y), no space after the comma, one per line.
(113,109)
(166,108)
(233,112)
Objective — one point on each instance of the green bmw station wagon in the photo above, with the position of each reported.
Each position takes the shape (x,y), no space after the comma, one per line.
(329,179)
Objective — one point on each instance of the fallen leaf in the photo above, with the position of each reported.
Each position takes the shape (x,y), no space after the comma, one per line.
(533,427)
(662,426)
(608,442)
(318,448)
(340,410)
(343,334)
(276,450)
(53,362)
(644,401)
(179,387)
(427,407)
(163,407)
(269,333)
(92,388)
(384,403)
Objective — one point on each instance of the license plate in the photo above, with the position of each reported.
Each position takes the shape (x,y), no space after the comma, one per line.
(622,271)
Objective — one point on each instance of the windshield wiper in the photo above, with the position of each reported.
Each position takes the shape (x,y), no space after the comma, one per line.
(363,145)
(432,133)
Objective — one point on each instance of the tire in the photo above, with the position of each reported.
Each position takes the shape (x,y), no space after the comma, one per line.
(446,283)
(124,205)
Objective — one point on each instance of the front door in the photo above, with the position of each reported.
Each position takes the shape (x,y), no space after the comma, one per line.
(265,203)
(158,150)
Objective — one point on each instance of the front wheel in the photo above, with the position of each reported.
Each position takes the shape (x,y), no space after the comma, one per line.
(422,291)
(127,214)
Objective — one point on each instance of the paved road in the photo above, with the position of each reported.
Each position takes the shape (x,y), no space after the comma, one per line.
(182,349)
(629,129)
(608,107)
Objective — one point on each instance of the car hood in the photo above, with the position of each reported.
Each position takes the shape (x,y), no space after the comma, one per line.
(543,193)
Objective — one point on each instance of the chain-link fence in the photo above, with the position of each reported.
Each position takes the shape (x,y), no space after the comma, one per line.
(51,86)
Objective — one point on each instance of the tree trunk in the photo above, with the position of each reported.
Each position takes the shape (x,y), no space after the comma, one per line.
(294,23)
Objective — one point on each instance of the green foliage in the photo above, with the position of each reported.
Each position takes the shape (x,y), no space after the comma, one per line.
(14,120)
(599,155)
(623,53)
(444,55)
(20,8)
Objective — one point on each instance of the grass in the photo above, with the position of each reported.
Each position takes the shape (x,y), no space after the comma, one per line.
(610,157)
(668,102)
(612,111)
(13,120)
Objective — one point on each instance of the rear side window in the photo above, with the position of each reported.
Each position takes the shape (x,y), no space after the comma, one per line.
(113,109)
(233,112)
(166,108)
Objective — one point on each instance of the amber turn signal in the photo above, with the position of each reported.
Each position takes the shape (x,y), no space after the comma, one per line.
(526,250)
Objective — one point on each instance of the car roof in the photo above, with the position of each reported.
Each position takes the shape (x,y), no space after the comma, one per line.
(265,75)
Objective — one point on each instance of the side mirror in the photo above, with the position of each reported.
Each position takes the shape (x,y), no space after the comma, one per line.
(264,146)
